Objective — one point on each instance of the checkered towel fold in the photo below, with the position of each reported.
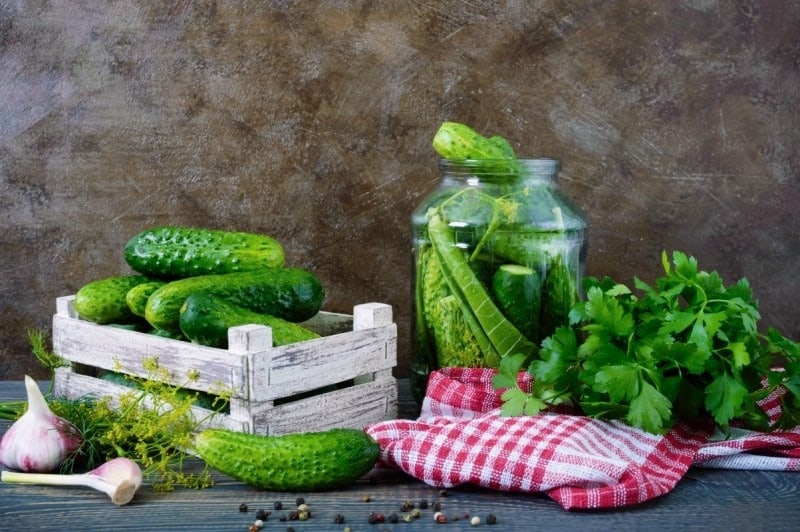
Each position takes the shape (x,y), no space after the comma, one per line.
(580,462)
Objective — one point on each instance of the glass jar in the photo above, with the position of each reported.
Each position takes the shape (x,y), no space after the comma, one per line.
(499,253)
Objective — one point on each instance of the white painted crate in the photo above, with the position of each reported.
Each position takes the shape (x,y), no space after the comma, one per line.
(359,351)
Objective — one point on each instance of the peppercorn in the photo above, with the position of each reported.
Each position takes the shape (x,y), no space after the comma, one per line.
(491,519)
(262,514)
(423,504)
(394,518)
(475,521)
(437,506)
(375,517)
(252,528)
(406,506)
(443,493)
(294,515)
(258,523)
(366,498)
(243,507)
(300,501)
(338,519)
(439,517)
(416,513)
(278,505)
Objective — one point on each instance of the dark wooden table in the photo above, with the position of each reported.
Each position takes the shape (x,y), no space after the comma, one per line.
(704,500)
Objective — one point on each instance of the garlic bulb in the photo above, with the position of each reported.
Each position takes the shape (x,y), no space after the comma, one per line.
(39,440)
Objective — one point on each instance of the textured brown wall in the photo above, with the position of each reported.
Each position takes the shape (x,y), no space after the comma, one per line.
(676,121)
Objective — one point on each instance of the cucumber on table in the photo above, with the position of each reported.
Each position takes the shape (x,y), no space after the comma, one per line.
(293,294)
(205,319)
(176,252)
(103,301)
(308,461)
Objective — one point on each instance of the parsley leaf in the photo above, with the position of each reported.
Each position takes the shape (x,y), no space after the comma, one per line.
(724,397)
(650,409)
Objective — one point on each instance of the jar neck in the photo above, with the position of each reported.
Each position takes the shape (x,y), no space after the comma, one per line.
(475,172)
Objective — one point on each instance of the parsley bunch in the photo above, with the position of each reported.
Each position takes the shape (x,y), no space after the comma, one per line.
(686,349)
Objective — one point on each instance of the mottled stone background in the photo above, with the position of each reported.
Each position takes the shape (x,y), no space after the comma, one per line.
(677,122)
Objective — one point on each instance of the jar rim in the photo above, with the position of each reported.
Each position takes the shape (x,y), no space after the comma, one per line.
(532,165)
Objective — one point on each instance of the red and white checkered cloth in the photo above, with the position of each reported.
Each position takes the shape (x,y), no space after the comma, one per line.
(580,462)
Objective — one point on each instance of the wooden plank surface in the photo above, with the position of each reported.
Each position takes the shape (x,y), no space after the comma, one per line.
(704,500)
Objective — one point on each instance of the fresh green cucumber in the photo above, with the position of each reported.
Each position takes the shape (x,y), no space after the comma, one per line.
(518,291)
(177,252)
(103,301)
(293,294)
(458,141)
(310,461)
(205,319)
(136,298)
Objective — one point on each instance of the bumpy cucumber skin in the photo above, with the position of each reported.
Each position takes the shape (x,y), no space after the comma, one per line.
(205,319)
(136,298)
(175,252)
(103,301)
(312,461)
(293,294)
(459,141)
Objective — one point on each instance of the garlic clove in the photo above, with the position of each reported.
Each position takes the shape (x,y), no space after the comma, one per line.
(119,478)
(39,440)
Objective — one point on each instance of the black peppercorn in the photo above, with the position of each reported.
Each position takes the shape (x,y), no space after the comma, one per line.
(243,507)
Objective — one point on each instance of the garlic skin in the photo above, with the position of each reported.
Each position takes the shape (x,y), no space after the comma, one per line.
(39,440)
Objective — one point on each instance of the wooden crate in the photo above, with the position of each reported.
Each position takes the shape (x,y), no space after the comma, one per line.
(356,353)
